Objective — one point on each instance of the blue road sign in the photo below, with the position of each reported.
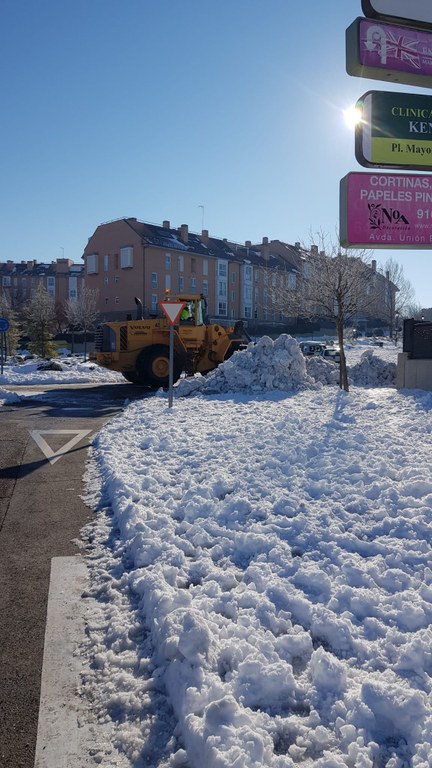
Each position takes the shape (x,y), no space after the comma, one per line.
(4,324)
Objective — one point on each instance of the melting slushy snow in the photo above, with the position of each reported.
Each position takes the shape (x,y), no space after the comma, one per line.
(262,573)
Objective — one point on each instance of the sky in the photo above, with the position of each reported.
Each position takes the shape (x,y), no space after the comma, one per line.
(258,602)
(222,113)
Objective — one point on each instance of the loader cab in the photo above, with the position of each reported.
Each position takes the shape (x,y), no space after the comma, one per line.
(195,310)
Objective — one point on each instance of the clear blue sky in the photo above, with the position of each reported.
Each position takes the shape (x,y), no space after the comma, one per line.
(153,108)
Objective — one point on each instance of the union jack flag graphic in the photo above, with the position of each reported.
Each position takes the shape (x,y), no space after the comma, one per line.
(403,48)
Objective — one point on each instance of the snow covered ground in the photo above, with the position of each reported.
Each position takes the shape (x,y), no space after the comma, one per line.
(261,570)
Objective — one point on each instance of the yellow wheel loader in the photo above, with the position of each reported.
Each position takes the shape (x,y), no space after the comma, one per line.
(139,349)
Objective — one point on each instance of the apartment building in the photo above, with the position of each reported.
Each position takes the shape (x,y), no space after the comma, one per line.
(127,258)
(62,279)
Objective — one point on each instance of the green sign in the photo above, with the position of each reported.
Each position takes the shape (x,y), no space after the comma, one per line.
(395,131)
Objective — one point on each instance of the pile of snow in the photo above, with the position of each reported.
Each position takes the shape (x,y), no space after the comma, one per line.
(262,580)
(262,367)
(8,397)
(68,370)
(322,370)
(280,366)
(373,371)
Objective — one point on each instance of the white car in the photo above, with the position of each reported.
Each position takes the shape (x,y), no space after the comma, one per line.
(310,348)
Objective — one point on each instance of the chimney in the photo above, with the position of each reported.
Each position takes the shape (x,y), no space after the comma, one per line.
(314,250)
(184,233)
(205,236)
(388,275)
(265,241)
(297,245)
(166,224)
(248,243)
(373,265)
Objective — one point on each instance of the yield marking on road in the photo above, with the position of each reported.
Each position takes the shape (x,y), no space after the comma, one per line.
(54,456)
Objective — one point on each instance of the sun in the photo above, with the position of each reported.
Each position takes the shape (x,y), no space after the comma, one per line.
(352,116)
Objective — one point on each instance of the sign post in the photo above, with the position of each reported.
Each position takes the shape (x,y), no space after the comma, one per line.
(4,326)
(172,311)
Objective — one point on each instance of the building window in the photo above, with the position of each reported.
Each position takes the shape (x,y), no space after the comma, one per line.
(92,264)
(193,284)
(233,277)
(292,280)
(205,266)
(222,288)
(248,292)
(205,287)
(154,301)
(193,264)
(126,257)
(72,295)
(222,269)
(222,308)
(247,312)
(106,299)
(154,280)
(106,262)
(248,273)
(167,282)
(167,262)
(256,275)
(116,300)
(180,263)
(181,284)
(6,281)
(233,295)
(116,278)
(106,278)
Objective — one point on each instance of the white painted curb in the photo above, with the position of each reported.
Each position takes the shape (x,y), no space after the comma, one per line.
(65,737)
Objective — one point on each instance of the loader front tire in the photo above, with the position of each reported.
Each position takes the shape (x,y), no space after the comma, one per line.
(153,367)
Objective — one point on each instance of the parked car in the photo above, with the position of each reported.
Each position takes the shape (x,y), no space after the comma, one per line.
(320,348)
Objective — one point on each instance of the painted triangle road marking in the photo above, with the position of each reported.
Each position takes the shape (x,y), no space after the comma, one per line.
(54,456)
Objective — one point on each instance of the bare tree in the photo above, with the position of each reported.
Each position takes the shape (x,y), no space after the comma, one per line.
(39,322)
(82,313)
(397,303)
(340,287)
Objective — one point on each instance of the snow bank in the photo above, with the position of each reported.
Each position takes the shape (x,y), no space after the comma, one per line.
(262,367)
(70,370)
(279,365)
(263,566)
(8,397)
(373,371)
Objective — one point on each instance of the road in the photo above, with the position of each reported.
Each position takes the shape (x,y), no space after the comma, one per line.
(41,514)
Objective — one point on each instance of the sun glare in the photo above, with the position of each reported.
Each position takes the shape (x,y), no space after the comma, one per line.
(352,116)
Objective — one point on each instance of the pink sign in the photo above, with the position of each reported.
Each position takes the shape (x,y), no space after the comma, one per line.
(388,52)
(383,210)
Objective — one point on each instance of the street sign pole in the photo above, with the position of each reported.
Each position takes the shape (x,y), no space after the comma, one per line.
(171,367)
(4,326)
(172,311)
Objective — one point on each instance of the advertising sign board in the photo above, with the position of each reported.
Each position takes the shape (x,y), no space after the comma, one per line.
(382,51)
(380,210)
(415,12)
(395,131)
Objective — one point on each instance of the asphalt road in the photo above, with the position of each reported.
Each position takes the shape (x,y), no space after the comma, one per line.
(41,514)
